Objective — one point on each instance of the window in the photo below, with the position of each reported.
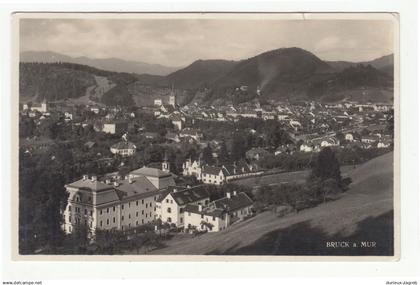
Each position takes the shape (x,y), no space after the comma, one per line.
(107,221)
(137,203)
(85,211)
(100,224)
(142,221)
(181,220)
(129,204)
(69,208)
(90,199)
(122,206)
(100,212)
(181,210)
(69,219)
(214,218)
(91,213)
(169,210)
(142,201)
(129,216)
(122,218)
(146,215)
(142,212)
(150,204)
(137,214)
(137,223)
(113,208)
(202,216)
(155,209)
(146,206)
(113,220)
(167,200)
(169,220)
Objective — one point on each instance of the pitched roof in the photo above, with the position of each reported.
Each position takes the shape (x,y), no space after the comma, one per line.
(213,170)
(124,145)
(190,195)
(214,212)
(139,186)
(147,171)
(236,202)
(88,184)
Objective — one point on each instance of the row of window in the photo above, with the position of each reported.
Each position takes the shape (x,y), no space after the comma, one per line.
(129,205)
(77,210)
(122,227)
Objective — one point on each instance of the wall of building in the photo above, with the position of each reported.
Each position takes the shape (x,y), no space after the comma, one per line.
(176,214)
(213,179)
(195,219)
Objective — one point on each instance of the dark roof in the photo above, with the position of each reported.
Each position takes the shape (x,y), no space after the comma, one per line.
(213,170)
(139,186)
(240,168)
(190,195)
(238,201)
(169,190)
(214,212)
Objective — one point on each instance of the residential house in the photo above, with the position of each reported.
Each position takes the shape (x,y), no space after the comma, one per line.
(218,214)
(115,127)
(171,204)
(123,148)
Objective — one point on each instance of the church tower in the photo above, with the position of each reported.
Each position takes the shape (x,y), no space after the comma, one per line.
(172,97)
(165,164)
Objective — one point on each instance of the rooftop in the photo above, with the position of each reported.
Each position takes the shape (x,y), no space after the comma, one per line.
(235,202)
(151,172)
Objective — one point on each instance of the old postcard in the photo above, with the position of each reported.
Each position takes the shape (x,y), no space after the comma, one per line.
(221,136)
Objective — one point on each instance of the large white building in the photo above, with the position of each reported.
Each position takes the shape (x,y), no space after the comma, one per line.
(115,204)
(217,175)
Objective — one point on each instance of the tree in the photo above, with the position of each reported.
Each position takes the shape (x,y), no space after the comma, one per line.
(327,166)
(325,177)
(208,155)
(223,153)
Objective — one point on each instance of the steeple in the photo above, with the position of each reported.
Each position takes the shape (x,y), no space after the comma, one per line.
(165,164)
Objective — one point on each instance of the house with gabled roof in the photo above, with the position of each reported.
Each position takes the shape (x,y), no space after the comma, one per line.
(171,204)
(218,214)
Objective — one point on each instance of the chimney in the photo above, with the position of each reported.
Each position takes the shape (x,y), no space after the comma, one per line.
(188,186)
(116,184)
(234,193)
(174,190)
(85,177)
(228,195)
(200,208)
(108,181)
(93,178)
(130,180)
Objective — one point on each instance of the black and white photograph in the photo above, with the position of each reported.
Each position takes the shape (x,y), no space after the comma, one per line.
(212,135)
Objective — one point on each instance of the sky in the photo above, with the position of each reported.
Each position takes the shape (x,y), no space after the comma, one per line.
(179,42)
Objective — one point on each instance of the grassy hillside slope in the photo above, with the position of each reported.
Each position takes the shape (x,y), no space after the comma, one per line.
(364,213)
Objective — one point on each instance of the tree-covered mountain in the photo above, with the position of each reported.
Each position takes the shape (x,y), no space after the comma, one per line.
(281,74)
(60,81)
(383,63)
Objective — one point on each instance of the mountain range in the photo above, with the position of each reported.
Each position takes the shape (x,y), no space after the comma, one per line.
(281,74)
(110,64)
